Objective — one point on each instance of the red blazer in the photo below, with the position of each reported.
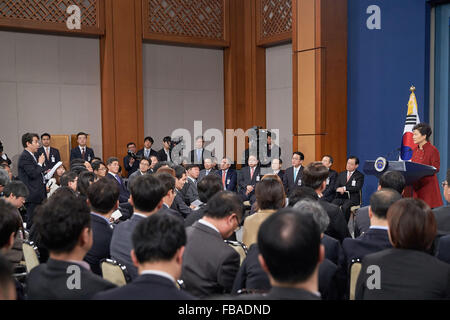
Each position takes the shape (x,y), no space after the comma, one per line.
(427,188)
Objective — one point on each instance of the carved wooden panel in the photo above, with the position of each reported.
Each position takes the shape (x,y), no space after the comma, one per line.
(274,21)
(51,15)
(202,22)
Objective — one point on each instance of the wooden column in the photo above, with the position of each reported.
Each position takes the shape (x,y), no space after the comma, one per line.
(121,77)
(244,70)
(320,79)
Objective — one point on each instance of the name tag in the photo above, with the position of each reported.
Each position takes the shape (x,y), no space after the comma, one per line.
(89,158)
(299,182)
(353,183)
(53,159)
(257,179)
(328,181)
(228,181)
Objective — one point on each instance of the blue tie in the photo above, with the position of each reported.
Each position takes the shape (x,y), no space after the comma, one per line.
(295,174)
(118,179)
(199,154)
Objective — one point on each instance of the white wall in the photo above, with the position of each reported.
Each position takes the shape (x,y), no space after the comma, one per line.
(181,85)
(279,97)
(48,84)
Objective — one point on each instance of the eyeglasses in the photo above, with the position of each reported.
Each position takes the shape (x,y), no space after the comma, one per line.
(444,183)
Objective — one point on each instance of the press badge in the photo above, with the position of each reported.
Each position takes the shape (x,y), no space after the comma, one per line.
(53,159)
(228,181)
(299,182)
(89,158)
(257,178)
(353,183)
(328,181)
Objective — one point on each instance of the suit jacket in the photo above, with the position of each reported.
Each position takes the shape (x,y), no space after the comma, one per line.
(230,179)
(330,191)
(245,180)
(209,264)
(337,228)
(75,153)
(124,193)
(180,206)
(48,281)
(283,293)
(31,174)
(405,275)
(131,178)
(288,179)
(121,243)
(152,153)
(252,224)
(203,174)
(333,249)
(53,158)
(126,165)
(443,250)
(362,221)
(195,215)
(166,210)
(352,187)
(281,174)
(190,191)
(206,154)
(146,287)
(102,233)
(162,156)
(442,216)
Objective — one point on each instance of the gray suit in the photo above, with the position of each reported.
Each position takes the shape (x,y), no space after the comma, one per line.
(203,174)
(209,264)
(190,191)
(362,221)
(121,244)
(133,176)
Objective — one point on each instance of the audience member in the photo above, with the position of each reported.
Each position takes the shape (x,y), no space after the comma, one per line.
(199,154)
(7,168)
(113,173)
(293,175)
(144,166)
(82,151)
(147,151)
(99,169)
(51,154)
(4,180)
(69,179)
(276,166)
(248,178)
(208,168)
(228,175)
(164,153)
(168,182)
(3,155)
(179,204)
(55,182)
(190,188)
(153,162)
(130,161)
(85,179)
(330,191)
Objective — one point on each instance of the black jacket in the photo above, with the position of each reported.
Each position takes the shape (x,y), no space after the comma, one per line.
(53,158)
(31,174)
(102,233)
(288,179)
(75,153)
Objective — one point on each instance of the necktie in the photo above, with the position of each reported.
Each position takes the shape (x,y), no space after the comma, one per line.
(47,153)
(199,155)
(118,179)
(146,153)
(82,153)
(252,170)
(224,174)
(348,175)
(295,174)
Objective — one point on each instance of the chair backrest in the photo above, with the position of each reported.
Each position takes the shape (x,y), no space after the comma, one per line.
(355,269)
(30,254)
(114,272)
(240,247)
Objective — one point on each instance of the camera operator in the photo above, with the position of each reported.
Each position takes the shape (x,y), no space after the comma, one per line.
(164,153)
(130,161)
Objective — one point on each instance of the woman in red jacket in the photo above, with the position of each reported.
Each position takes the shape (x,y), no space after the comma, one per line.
(426,188)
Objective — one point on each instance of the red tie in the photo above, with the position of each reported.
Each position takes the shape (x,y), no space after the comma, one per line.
(224,173)
(348,175)
(252,170)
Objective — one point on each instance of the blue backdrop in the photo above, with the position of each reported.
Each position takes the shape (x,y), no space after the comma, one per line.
(382,65)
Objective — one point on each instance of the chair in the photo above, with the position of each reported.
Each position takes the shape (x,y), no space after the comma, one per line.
(353,210)
(355,269)
(240,247)
(31,255)
(114,272)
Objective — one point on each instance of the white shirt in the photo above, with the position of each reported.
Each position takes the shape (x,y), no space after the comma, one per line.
(159,273)
(81,149)
(139,214)
(208,224)
(379,227)
(34,157)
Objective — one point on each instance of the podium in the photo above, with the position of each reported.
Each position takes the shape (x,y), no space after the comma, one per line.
(410,170)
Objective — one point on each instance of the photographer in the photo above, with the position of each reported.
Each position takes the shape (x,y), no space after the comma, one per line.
(130,161)
(3,156)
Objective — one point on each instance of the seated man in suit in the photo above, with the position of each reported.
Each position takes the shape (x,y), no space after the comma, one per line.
(113,173)
(130,162)
(330,191)
(147,151)
(376,238)
(82,151)
(442,214)
(208,168)
(199,154)
(69,179)
(65,275)
(144,167)
(168,182)
(190,188)
(349,184)
(293,175)
(147,194)
(31,173)
(164,153)
(290,254)
(248,179)
(103,198)
(276,165)
(227,175)
(179,203)
(51,154)
(388,180)
(158,247)
(209,264)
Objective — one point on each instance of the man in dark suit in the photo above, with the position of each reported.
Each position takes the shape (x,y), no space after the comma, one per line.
(330,191)
(227,175)
(349,185)
(443,250)
(376,238)
(179,203)
(65,275)
(276,165)
(146,197)
(190,188)
(442,214)
(293,175)
(164,153)
(208,169)
(31,174)
(130,163)
(113,173)
(51,154)
(168,182)
(273,151)
(209,264)
(248,178)
(290,260)
(103,197)
(147,151)
(388,180)
(144,167)
(82,151)
(158,247)
(199,154)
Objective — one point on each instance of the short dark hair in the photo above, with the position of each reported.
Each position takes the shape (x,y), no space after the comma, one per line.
(167,139)
(411,224)
(392,180)
(448,176)
(209,186)
(16,188)
(301,193)
(179,170)
(354,157)
(380,201)
(160,164)
(96,165)
(60,220)
(76,162)
(67,177)
(103,195)
(146,159)
(9,222)
(158,238)
(329,157)
(4,177)
(302,156)
(85,179)
(147,191)
(167,181)
(270,194)
(130,143)
(192,165)
(223,204)
(424,129)
(111,160)
(290,245)
(81,134)
(314,175)
(46,135)
(78,169)
(28,138)
(149,139)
